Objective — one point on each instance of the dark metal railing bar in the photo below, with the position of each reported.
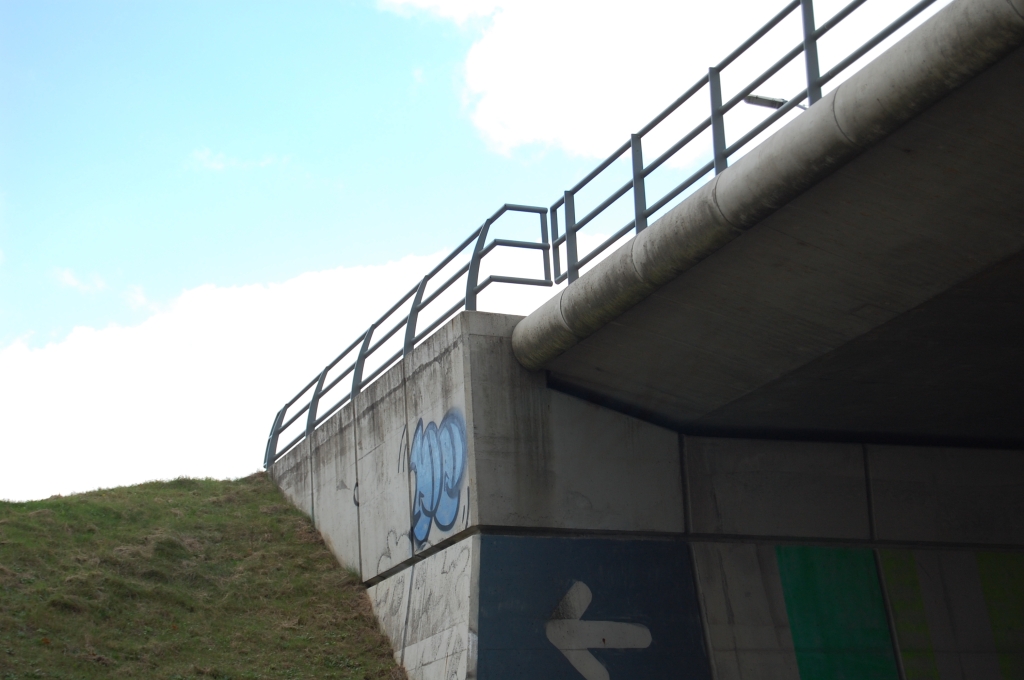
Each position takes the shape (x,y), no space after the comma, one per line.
(721,161)
(571,253)
(440,320)
(525,208)
(879,37)
(288,447)
(810,52)
(619,193)
(661,203)
(772,70)
(656,163)
(837,17)
(547,246)
(443,287)
(295,417)
(332,410)
(357,373)
(383,367)
(599,169)
(639,186)
(414,314)
(331,385)
(561,277)
(556,240)
(302,391)
(387,336)
(494,278)
(767,122)
(674,105)
(525,245)
(314,403)
(772,23)
(607,242)
(271,453)
(451,256)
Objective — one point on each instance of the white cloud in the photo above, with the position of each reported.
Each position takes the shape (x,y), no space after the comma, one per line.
(67,278)
(193,389)
(581,75)
(208,160)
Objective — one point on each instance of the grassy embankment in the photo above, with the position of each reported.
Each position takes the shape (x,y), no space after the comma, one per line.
(178,580)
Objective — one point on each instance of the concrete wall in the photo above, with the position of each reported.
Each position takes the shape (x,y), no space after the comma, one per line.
(474,501)
(457,436)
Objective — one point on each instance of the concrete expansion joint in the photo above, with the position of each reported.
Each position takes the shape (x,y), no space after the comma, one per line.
(561,316)
(835,118)
(714,200)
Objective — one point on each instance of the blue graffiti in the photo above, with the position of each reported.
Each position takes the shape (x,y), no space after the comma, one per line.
(438,458)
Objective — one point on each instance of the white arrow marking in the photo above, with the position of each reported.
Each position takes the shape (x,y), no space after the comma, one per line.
(574,638)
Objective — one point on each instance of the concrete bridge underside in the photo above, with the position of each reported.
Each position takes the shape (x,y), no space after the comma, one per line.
(886,301)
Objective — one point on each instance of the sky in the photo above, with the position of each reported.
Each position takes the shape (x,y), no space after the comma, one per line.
(201,203)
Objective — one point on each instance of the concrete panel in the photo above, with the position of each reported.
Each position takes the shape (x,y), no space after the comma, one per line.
(585,607)
(775,488)
(390,599)
(425,610)
(439,442)
(958,621)
(382,445)
(437,640)
(947,495)
(837,613)
(745,612)
(334,475)
(291,474)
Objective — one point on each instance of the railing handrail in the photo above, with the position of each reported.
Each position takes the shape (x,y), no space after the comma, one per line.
(720,153)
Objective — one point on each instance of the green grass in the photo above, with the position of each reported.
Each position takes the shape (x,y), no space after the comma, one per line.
(183,579)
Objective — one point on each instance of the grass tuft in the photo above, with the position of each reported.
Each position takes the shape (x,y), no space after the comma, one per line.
(192,578)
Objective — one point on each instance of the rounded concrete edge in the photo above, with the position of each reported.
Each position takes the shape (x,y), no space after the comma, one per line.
(803,152)
(682,237)
(959,42)
(542,335)
(604,292)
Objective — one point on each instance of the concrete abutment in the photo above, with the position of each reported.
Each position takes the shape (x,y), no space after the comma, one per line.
(507,530)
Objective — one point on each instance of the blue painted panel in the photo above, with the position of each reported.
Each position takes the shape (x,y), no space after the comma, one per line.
(646,582)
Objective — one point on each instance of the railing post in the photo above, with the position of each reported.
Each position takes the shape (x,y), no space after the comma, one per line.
(810,52)
(544,240)
(357,370)
(271,454)
(717,121)
(473,275)
(639,194)
(414,312)
(571,255)
(554,239)
(314,401)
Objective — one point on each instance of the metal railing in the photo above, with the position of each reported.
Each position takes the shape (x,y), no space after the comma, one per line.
(417,298)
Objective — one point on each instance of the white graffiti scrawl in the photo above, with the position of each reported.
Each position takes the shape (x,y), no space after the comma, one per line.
(438,459)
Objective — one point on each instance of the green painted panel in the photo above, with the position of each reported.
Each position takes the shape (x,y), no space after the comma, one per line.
(915,642)
(1002,582)
(836,613)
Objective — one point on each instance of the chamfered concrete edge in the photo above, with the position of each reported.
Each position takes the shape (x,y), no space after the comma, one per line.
(956,44)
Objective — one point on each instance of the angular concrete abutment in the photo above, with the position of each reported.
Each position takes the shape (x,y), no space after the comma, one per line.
(507,530)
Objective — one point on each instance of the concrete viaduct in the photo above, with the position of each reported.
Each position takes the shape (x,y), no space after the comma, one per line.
(777,434)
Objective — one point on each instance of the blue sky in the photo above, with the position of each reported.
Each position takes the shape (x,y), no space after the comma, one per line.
(153,147)
(201,203)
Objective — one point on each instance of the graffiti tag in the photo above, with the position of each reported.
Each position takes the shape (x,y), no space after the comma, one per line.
(438,459)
